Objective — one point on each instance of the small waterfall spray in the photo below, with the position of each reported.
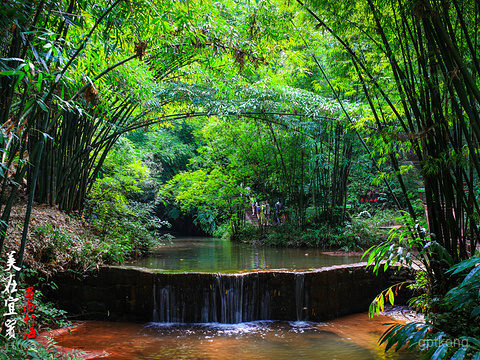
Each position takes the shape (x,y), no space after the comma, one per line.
(282,295)
(167,308)
(233,298)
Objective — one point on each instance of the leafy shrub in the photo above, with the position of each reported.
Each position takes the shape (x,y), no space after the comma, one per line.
(454,331)
(57,249)
(55,245)
(46,316)
(248,233)
(451,330)
(289,234)
(20,349)
(128,227)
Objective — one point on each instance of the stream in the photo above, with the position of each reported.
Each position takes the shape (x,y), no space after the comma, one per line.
(352,337)
(217,255)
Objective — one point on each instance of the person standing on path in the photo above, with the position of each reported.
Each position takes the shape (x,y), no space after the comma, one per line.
(262,213)
(267,212)
(278,210)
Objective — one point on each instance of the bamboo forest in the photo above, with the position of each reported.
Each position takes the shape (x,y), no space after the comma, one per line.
(240,179)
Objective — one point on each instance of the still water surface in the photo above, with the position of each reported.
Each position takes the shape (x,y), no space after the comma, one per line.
(352,337)
(217,255)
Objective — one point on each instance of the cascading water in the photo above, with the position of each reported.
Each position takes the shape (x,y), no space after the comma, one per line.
(228,299)
(142,295)
(267,295)
(301,298)
(231,299)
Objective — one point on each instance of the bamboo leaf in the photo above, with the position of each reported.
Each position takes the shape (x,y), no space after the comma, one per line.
(464,265)
(8,72)
(459,354)
(475,312)
(391,296)
(440,352)
(471,276)
(12,59)
(42,105)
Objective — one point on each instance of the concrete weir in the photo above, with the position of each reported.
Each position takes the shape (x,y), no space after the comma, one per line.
(137,294)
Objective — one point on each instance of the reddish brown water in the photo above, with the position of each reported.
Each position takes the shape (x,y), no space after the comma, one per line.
(353,337)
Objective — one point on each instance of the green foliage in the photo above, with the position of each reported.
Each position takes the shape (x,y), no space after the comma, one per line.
(59,249)
(399,246)
(248,234)
(291,235)
(46,315)
(213,196)
(324,237)
(166,152)
(128,227)
(453,332)
(205,219)
(20,349)
(308,169)
(56,245)
(464,299)
(451,329)
(389,43)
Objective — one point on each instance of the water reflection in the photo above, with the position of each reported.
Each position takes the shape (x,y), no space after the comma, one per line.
(350,338)
(217,255)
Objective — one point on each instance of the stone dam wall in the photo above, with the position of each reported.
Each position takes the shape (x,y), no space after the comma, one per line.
(138,294)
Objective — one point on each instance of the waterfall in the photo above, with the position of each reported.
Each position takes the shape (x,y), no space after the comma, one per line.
(167,309)
(301,298)
(209,306)
(236,298)
(229,299)
(141,295)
